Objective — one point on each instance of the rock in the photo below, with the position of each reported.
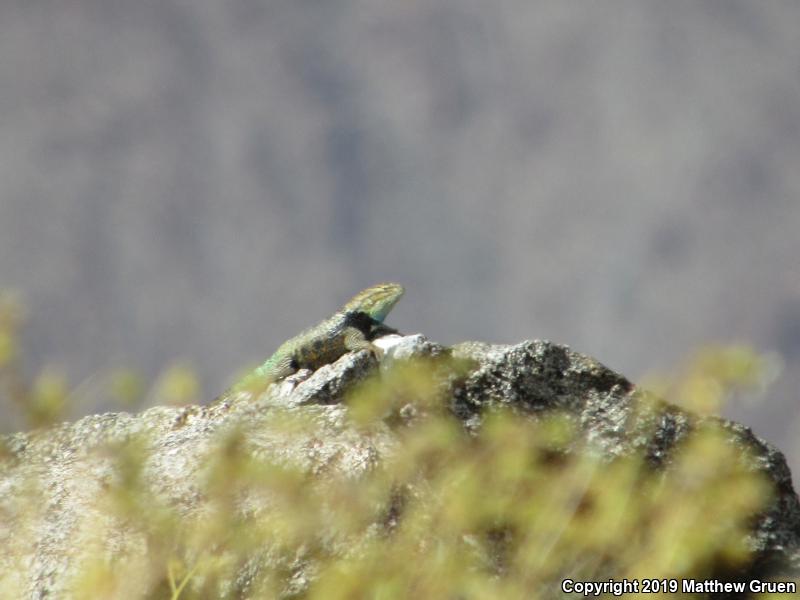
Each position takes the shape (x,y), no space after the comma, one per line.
(70,466)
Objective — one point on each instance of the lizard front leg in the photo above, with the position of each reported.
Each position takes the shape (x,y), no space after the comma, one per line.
(355,340)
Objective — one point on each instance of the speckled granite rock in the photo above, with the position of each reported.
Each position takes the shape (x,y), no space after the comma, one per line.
(532,378)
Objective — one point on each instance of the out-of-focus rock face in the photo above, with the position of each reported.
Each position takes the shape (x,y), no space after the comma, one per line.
(70,467)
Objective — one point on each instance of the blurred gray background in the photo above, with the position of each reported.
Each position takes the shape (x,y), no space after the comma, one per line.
(199,180)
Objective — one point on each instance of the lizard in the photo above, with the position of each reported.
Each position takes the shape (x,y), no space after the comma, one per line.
(349,329)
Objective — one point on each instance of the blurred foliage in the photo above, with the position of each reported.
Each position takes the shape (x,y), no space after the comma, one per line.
(45,398)
(177,386)
(713,375)
(504,512)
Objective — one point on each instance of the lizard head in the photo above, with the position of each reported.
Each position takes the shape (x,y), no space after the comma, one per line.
(376,301)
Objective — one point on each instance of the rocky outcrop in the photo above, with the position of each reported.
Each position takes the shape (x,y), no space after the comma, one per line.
(60,472)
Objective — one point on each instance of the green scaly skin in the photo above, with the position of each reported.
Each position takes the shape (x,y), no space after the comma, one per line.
(350,329)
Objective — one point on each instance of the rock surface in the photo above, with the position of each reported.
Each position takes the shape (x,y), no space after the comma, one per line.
(70,468)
